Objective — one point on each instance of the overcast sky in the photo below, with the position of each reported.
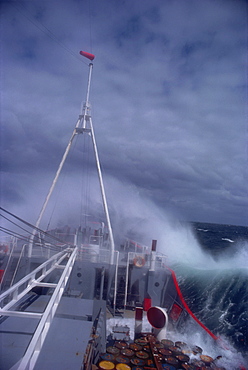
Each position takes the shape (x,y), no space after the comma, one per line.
(169,103)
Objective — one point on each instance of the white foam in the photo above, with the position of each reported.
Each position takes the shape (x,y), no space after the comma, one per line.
(230,358)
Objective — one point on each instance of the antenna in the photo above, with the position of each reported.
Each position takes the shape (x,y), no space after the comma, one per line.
(83,125)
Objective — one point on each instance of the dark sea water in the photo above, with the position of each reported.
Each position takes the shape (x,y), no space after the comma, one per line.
(217,291)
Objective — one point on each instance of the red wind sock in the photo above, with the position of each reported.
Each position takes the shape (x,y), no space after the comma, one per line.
(87,55)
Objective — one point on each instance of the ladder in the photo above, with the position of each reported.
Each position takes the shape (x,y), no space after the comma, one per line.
(10,298)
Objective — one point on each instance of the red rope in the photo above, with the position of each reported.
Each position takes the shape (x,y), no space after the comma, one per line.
(187,307)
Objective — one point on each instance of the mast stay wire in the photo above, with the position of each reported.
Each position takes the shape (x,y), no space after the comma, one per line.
(46,31)
(26,238)
(33,227)
(84,209)
(27,14)
(84,183)
(65,174)
(14,233)
(14,223)
(90,23)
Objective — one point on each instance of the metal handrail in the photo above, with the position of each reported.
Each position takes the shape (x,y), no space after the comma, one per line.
(115,281)
(28,361)
(138,248)
(30,280)
(94,253)
(161,260)
(7,265)
(126,281)
(17,265)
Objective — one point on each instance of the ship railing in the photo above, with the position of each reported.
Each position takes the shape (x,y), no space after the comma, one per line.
(96,240)
(11,251)
(150,261)
(161,260)
(17,254)
(140,259)
(14,256)
(133,246)
(93,253)
(18,264)
(24,286)
(46,250)
(34,278)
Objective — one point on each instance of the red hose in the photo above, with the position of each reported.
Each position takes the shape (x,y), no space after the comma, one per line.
(187,307)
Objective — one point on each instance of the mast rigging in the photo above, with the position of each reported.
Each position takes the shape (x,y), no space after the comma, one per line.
(84,125)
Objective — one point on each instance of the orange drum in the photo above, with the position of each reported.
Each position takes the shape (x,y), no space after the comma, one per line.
(107,357)
(206,359)
(135,347)
(183,358)
(106,365)
(196,350)
(123,367)
(167,343)
(181,345)
(175,350)
(165,352)
(122,359)
(121,345)
(141,341)
(113,350)
(171,361)
(127,352)
(138,361)
(142,354)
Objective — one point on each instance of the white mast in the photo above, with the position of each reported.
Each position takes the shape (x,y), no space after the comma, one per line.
(84,124)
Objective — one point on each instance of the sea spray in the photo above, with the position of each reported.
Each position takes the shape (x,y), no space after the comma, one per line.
(227,356)
(218,297)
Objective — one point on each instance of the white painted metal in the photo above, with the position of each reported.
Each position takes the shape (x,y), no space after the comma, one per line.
(7,265)
(31,355)
(84,119)
(22,287)
(52,188)
(153,260)
(105,205)
(86,110)
(116,276)
(67,150)
(126,282)
(22,314)
(160,330)
(18,264)
(87,253)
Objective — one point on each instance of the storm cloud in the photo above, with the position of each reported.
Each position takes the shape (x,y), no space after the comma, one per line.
(169,102)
